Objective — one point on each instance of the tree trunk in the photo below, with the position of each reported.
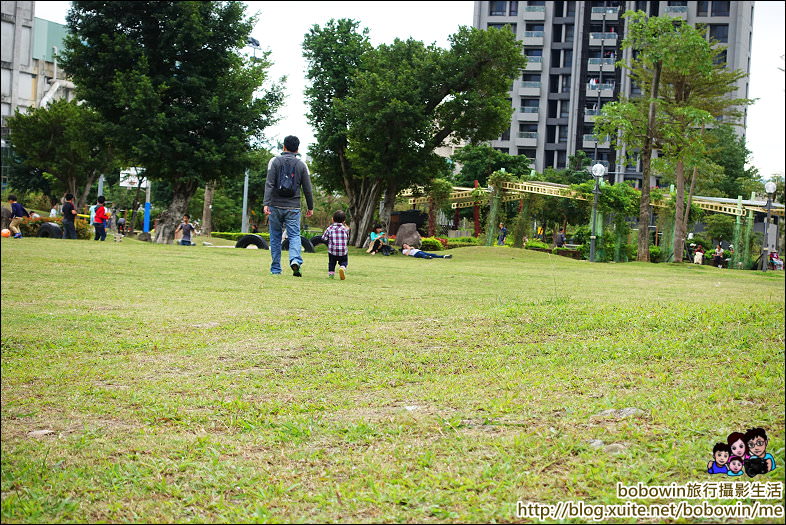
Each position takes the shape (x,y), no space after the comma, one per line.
(387,205)
(362,204)
(690,199)
(646,165)
(182,191)
(207,209)
(432,218)
(82,200)
(679,212)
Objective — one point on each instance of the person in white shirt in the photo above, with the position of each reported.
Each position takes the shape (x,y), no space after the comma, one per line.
(406,249)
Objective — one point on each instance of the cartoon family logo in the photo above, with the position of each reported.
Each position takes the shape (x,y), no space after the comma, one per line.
(742,454)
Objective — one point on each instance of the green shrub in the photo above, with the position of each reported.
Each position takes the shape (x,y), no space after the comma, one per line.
(655,253)
(468,240)
(233,236)
(460,242)
(537,244)
(29,227)
(453,244)
(430,244)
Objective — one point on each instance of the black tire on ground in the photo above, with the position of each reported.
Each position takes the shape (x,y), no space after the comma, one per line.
(304,243)
(316,240)
(247,240)
(50,230)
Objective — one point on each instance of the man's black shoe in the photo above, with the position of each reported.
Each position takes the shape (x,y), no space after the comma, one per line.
(296,270)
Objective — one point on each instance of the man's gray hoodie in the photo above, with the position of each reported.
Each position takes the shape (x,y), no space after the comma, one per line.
(273,199)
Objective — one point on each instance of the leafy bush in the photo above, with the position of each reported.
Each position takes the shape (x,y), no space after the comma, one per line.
(430,244)
(537,244)
(467,240)
(453,244)
(655,253)
(233,236)
(29,227)
(581,235)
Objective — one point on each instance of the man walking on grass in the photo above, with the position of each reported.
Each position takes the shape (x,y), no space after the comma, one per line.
(286,176)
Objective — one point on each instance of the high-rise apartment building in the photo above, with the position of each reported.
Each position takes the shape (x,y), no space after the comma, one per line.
(572,48)
(30,75)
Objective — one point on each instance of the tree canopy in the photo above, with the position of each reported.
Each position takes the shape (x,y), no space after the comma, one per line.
(382,111)
(66,143)
(170,80)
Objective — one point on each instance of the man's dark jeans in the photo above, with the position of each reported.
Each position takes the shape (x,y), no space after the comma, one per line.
(100,231)
(69,230)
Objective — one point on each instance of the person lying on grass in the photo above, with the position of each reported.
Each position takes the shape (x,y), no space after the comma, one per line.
(406,249)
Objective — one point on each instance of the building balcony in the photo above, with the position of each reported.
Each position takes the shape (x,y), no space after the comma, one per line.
(601,64)
(606,90)
(677,11)
(534,64)
(529,89)
(527,114)
(527,138)
(534,12)
(589,140)
(590,114)
(612,13)
(533,38)
(605,39)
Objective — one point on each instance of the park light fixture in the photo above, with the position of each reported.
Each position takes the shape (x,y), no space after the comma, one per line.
(598,170)
(769,188)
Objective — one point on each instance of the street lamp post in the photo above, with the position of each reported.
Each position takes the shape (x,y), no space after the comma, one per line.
(598,171)
(765,249)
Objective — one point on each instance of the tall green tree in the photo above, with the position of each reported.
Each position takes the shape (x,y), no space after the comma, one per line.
(170,79)
(334,53)
(406,99)
(66,141)
(654,42)
(696,89)
(479,161)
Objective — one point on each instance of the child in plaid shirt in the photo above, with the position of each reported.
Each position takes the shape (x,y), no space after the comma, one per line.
(337,236)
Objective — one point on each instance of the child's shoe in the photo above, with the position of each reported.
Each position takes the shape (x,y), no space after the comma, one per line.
(331,276)
(342,273)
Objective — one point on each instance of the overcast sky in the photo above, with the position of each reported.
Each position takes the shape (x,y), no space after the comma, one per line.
(282,25)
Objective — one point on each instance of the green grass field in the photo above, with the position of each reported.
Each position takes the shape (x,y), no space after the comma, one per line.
(188,385)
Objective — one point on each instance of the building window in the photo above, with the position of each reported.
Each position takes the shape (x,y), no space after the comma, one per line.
(641,6)
(530,77)
(571,11)
(563,108)
(568,33)
(720,58)
(563,134)
(702,8)
(536,3)
(513,8)
(678,3)
(497,8)
(561,163)
(505,135)
(565,84)
(529,153)
(533,52)
(719,32)
(567,58)
(511,27)
(720,8)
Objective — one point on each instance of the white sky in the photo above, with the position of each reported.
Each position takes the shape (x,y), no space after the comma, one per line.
(281,26)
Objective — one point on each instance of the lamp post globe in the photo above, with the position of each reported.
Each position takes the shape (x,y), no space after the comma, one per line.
(769,187)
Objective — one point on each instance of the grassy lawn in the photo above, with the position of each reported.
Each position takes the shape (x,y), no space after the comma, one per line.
(187,384)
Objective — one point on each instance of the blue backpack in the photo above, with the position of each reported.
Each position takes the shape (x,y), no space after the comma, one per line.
(288,183)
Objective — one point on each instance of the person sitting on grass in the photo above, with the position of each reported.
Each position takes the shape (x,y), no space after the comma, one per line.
(777,262)
(378,238)
(406,249)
